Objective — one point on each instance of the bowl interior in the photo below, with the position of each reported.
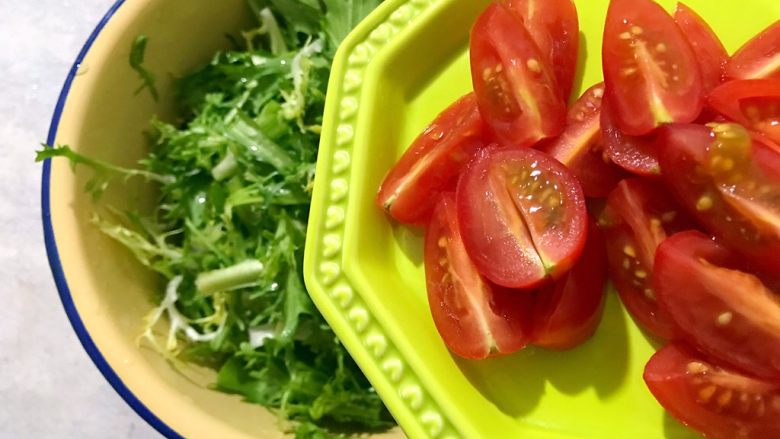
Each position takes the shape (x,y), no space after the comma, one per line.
(111,292)
(570,394)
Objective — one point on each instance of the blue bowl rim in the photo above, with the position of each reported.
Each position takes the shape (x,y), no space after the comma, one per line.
(54,257)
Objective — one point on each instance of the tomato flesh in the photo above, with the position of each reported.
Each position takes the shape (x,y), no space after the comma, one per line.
(580,147)
(719,402)
(522,216)
(515,87)
(730,183)
(567,312)
(474,318)
(650,71)
(554,27)
(707,48)
(638,217)
(635,154)
(759,57)
(727,313)
(754,103)
(433,162)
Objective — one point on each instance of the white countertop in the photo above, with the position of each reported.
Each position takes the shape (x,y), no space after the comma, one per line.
(49,386)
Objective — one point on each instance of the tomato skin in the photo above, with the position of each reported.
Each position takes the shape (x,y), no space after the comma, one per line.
(641,44)
(554,27)
(638,217)
(635,154)
(522,216)
(759,57)
(692,389)
(580,147)
(516,89)
(707,48)
(567,312)
(474,318)
(433,162)
(743,213)
(726,313)
(754,103)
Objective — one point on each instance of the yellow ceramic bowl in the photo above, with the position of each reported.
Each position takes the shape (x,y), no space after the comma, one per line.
(105,292)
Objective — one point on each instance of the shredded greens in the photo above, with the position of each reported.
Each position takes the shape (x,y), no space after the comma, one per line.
(227,236)
(137,55)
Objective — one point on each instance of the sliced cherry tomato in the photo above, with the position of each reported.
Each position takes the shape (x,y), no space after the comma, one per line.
(474,318)
(635,154)
(568,311)
(638,217)
(759,57)
(707,48)
(522,216)
(516,89)
(730,183)
(580,147)
(650,71)
(754,103)
(433,162)
(719,402)
(728,314)
(554,27)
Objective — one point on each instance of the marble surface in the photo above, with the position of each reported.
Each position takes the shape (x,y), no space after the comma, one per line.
(49,386)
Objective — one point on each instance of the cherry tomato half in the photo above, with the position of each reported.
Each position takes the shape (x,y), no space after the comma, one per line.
(727,313)
(754,103)
(635,154)
(554,27)
(522,216)
(759,57)
(707,48)
(474,318)
(650,71)
(580,147)
(638,217)
(516,88)
(568,311)
(730,183)
(719,402)
(433,162)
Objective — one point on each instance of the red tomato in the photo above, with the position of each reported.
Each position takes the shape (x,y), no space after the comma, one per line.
(554,27)
(650,71)
(728,314)
(433,162)
(707,48)
(474,318)
(522,216)
(730,183)
(516,89)
(638,217)
(580,147)
(754,103)
(719,402)
(568,311)
(759,57)
(636,154)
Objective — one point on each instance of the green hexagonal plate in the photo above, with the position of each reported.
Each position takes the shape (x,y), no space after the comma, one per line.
(401,67)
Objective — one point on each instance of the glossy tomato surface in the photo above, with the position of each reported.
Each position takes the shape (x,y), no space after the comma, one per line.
(522,216)
(759,57)
(726,313)
(731,184)
(754,103)
(635,154)
(474,318)
(568,311)
(581,149)
(650,71)
(554,27)
(639,216)
(710,54)
(516,88)
(719,402)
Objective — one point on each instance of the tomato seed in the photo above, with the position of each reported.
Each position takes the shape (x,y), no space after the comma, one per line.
(724,398)
(697,367)
(534,66)
(636,30)
(725,318)
(706,393)
(704,203)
